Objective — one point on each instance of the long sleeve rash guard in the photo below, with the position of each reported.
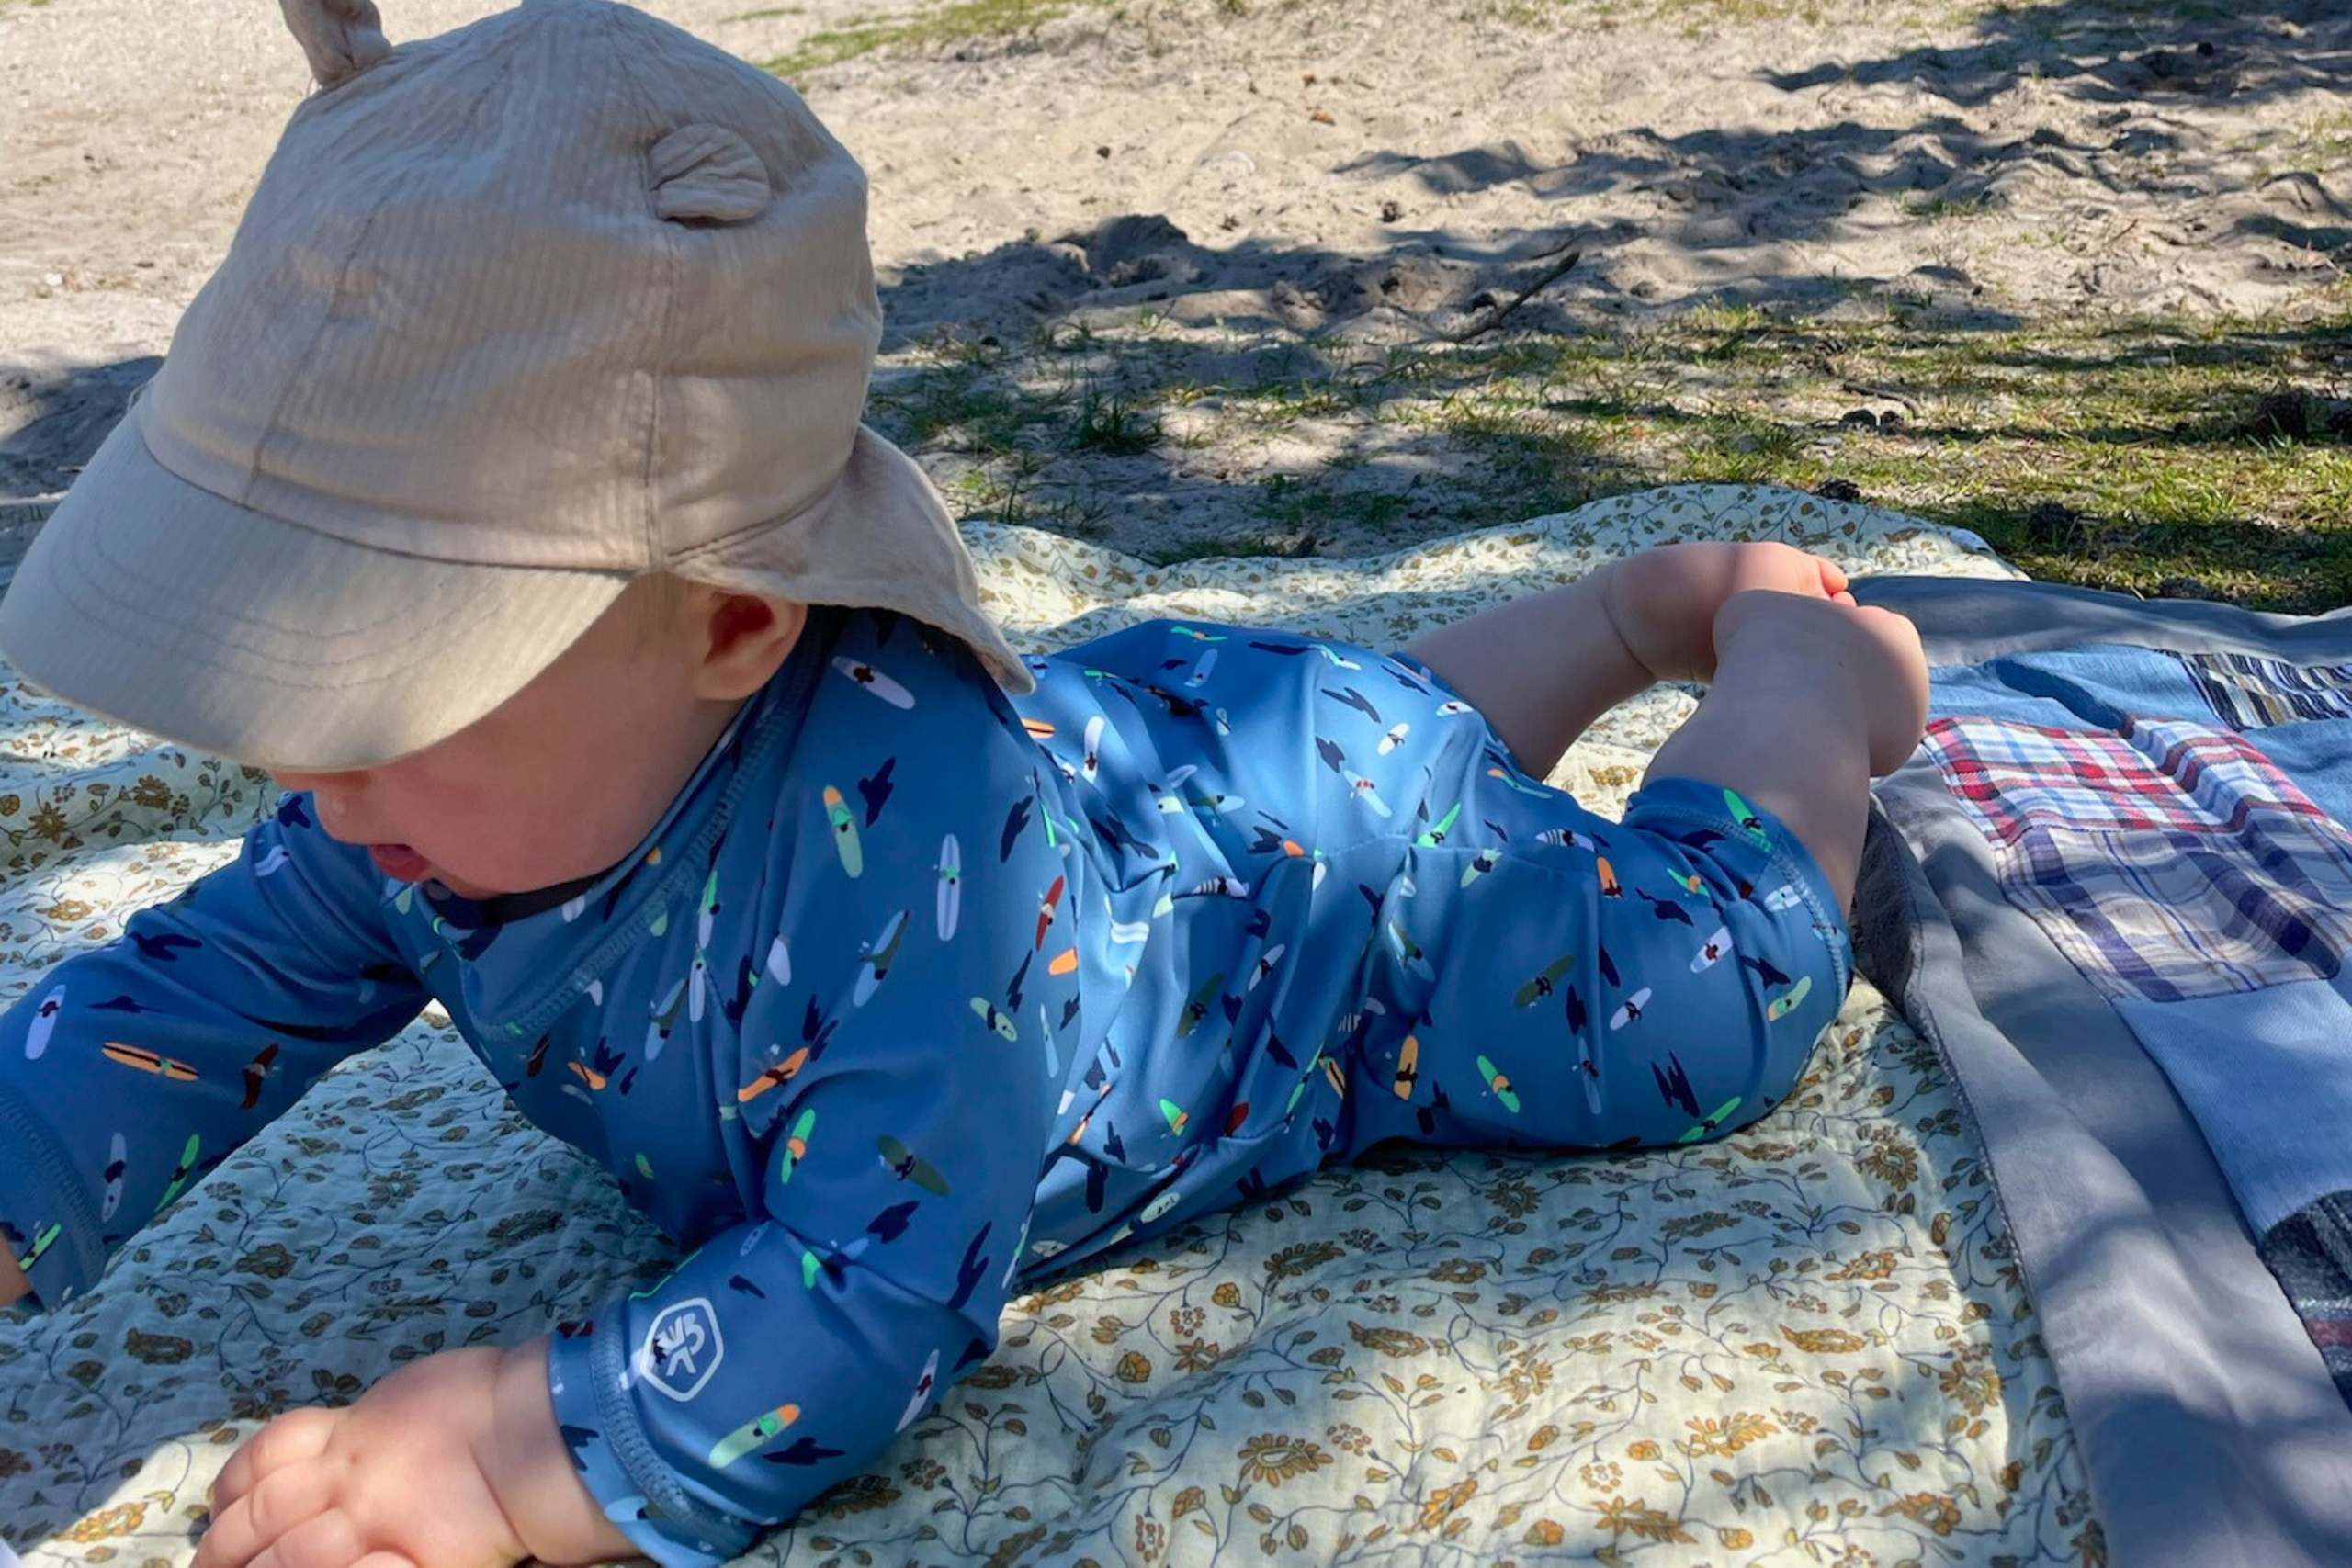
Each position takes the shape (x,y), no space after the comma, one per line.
(918,989)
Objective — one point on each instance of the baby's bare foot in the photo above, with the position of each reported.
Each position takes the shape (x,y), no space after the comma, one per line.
(1876,650)
(1664,601)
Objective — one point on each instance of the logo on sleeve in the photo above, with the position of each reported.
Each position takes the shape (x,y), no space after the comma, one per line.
(682,1349)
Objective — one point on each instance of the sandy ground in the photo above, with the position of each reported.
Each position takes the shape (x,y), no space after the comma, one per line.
(1327,176)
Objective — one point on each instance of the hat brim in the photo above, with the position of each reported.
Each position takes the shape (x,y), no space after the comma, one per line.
(882,537)
(177,612)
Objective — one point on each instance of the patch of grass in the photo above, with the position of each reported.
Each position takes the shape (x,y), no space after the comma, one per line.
(2324,147)
(963,406)
(1304,508)
(2146,430)
(1519,457)
(1014,490)
(949,22)
(1287,402)
(1928,208)
(1112,423)
(765,12)
(2156,439)
(1209,549)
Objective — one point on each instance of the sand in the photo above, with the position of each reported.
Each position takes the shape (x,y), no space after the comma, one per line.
(1340,176)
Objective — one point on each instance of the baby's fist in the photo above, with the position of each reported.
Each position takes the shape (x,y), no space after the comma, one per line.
(390,1481)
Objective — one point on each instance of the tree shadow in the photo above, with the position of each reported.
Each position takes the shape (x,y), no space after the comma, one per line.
(2150,52)
(52,417)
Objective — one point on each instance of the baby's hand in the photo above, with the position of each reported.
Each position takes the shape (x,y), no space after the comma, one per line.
(1664,601)
(452,1462)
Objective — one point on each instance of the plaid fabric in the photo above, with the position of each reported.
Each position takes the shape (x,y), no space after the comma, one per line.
(2165,859)
(2311,1252)
(2250,693)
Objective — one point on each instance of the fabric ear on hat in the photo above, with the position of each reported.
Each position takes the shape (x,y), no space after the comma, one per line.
(707,172)
(343,38)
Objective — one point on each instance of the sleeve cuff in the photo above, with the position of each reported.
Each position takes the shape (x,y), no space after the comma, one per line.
(617,1462)
(46,1218)
(1763,836)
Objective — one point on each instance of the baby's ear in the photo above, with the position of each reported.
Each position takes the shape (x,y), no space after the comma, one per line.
(342,38)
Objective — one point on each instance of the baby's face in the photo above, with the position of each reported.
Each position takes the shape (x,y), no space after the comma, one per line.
(567,776)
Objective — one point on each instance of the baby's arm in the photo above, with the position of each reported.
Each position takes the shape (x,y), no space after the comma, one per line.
(888,1135)
(127,1072)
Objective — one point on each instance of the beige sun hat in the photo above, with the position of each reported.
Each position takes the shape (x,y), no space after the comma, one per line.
(517,314)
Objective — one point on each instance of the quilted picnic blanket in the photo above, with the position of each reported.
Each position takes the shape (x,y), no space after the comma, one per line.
(1808,1343)
(2124,920)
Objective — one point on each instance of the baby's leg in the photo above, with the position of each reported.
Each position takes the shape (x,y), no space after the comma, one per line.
(1540,668)
(1551,978)
(1547,978)
(1810,700)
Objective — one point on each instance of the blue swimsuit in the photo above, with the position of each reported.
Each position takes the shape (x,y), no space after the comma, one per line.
(918,990)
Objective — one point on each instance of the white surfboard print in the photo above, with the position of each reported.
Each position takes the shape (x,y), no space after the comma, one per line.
(118,1157)
(44,1024)
(1093,748)
(950,887)
(923,1385)
(875,681)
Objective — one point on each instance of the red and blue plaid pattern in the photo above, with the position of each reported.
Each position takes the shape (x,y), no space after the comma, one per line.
(2165,859)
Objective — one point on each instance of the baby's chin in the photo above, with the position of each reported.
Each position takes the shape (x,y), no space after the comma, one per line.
(404,863)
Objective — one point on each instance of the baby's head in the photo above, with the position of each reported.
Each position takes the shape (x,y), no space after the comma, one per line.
(526,328)
(563,779)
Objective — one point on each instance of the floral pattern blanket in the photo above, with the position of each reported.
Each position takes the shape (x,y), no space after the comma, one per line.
(1808,1343)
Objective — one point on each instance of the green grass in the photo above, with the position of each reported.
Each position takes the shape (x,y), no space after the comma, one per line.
(2324,147)
(949,22)
(1113,422)
(2143,431)
(1302,509)
(1213,549)
(2120,453)
(1918,204)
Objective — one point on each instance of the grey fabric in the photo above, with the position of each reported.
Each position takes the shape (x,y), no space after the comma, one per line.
(1967,621)
(2210,1428)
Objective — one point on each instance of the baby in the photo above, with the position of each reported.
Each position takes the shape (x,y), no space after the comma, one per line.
(504,494)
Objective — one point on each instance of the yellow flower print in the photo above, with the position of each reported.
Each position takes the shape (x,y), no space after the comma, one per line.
(1274,1460)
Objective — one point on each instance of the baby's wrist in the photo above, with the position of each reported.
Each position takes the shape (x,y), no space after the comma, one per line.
(529,1471)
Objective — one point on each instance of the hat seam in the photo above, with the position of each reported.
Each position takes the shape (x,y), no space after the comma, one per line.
(342,277)
(658,376)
